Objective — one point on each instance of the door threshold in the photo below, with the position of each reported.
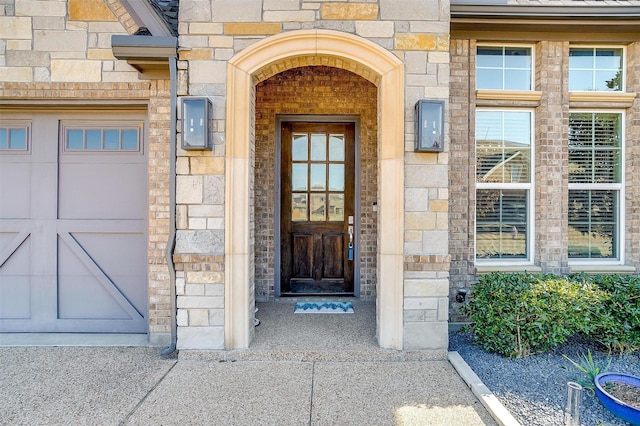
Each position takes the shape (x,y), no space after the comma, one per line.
(317,295)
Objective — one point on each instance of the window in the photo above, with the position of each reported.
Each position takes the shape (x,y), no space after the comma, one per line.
(503,184)
(596,69)
(503,68)
(14,137)
(595,184)
(113,139)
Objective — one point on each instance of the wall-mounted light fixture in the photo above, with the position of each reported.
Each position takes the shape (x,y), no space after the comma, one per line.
(196,123)
(429,126)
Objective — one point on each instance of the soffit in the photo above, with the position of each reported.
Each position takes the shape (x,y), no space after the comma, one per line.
(577,22)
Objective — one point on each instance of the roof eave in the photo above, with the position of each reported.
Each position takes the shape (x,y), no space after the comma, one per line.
(149,55)
(472,9)
(618,23)
(145,15)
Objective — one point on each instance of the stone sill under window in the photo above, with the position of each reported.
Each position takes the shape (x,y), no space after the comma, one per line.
(601,99)
(487,269)
(528,98)
(603,269)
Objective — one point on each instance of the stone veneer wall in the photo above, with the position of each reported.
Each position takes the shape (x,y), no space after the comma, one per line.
(314,90)
(60,52)
(416,31)
(551,158)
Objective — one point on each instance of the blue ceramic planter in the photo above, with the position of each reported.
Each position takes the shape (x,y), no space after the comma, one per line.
(620,409)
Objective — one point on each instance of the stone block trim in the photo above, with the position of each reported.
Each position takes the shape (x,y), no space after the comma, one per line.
(89,10)
(251,28)
(349,11)
(200,297)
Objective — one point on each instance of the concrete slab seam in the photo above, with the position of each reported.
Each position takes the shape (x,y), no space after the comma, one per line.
(482,392)
(144,398)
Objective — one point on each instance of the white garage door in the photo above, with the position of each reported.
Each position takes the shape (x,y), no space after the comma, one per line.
(73,208)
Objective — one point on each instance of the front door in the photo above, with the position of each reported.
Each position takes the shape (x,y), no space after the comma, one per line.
(317,219)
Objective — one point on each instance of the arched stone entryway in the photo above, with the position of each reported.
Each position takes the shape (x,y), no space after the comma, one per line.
(260,61)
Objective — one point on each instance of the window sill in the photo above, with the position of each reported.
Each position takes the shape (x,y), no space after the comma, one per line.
(508,97)
(601,99)
(603,269)
(486,269)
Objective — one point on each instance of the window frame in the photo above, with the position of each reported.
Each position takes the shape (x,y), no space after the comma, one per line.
(532,50)
(623,83)
(17,124)
(528,260)
(620,187)
(102,125)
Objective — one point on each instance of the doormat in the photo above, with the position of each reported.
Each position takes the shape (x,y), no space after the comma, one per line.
(323,308)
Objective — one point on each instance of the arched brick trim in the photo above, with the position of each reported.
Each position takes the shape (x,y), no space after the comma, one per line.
(259,61)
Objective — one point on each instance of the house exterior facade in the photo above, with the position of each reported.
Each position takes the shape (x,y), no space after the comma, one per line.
(114,219)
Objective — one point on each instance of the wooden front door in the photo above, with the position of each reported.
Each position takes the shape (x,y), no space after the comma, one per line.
(317,219)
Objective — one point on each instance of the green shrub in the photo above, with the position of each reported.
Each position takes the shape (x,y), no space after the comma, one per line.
(519,314)
(618,326)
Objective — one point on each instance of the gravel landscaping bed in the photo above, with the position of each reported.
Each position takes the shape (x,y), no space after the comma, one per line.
(534,389)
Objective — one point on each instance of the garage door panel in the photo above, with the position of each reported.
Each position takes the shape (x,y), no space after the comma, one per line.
(75,262)
(118,257)
(15,190)
(15,296)
(102,191)
(73,225)
(84,297)
(15,254)
(15,279)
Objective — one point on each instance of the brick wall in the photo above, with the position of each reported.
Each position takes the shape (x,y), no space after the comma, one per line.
(462,169)
(632,169)
(314,90)
(550,165)
(551,157)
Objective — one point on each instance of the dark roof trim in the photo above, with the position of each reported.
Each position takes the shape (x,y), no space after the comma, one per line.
(149,55)
(147,16)
(473,9)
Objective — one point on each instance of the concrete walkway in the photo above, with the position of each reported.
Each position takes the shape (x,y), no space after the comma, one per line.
(261,386)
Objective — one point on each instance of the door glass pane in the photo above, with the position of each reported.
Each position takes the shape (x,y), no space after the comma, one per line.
(111,139)
(18,138)
(318,147)
(336,148)
(130,140)
(299,207)
(299,177)
(318,207)
(336,207)
(94,139)
(4,142)
(74,139)
(318,177)
(300,147)
(336,177)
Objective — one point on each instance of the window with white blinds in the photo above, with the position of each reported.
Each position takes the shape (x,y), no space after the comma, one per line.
(503,184)
(595,183)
